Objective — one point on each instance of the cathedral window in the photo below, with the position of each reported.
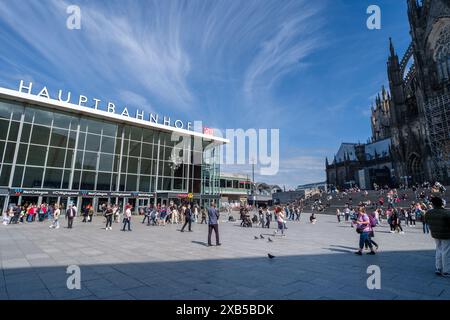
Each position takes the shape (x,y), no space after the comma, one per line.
(442,55)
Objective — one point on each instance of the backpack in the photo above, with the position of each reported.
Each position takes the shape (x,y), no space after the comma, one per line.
(373,221)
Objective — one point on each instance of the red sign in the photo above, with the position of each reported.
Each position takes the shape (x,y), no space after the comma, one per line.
(208,131)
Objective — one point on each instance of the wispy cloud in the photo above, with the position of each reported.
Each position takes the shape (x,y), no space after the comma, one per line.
(114,46)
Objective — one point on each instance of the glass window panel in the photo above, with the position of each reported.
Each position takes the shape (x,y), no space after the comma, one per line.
(40,135)
(119,131)
(161,153)
(166,184)
(66,179)
(104,181)
(4,177)
(109,129)
(131,182)
(17,111)
(72,139)
(146,166)
(93,126)
(26,129)
(135,149)
(178,172)
(52,178)
(36,155)
(167,172)
(29,114)
(87,180)
(76,180)
(32,177)
(59,137)
(13,131)
(122,182)
(106,162)
(147,135)
(9,152)
(116,163)
(22,154)
(4,124)
(43,117)
(107,144)
(136,133)
(62,120)
(79,160)
(127,130)
(114,182)
(178,184)
(93,142)
(17,180)
(5,110)
(124,164)
(126,143)
(118,146)
(69,156)
(55,157)
(147,150)
(90,160)
(144,183)
(153,184)
(132,165)
(81,140)
(2,150)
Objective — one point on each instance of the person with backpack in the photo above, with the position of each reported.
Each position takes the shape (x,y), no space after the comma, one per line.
(373,223)
(364,229)
(438,220)
(70,215)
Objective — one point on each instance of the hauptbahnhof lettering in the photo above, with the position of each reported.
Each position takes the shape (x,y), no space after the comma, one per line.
(55,152)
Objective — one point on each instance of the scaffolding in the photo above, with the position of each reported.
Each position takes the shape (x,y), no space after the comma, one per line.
(437,113)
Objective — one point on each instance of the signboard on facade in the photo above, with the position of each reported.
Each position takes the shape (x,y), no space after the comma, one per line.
(76,193)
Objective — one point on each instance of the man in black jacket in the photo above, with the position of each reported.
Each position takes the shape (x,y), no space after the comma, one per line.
(438,219)
(213,224)
(188,218)
(70,215)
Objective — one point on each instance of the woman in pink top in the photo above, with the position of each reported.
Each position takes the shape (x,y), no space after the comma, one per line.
(364,229)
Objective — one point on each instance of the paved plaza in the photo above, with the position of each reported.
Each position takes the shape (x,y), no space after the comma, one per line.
(312,262)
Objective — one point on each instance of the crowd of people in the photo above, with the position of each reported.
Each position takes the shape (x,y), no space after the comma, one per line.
(425,206)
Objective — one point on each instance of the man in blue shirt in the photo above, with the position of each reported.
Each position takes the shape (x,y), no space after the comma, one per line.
(213,224)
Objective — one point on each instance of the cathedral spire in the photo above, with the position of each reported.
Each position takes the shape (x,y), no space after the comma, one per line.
(391,47)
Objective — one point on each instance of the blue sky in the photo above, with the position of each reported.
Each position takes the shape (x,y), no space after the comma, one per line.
(309,68)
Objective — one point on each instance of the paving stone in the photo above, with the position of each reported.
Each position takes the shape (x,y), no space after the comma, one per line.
(312,262)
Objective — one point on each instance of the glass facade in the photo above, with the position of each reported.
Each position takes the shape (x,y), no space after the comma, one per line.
(44,148)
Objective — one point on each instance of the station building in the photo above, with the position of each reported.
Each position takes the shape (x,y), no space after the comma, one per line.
(54,151)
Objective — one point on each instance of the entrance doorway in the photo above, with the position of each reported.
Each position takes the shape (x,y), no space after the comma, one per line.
(85,202)
(27,201)
(50,200)
(2,203)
